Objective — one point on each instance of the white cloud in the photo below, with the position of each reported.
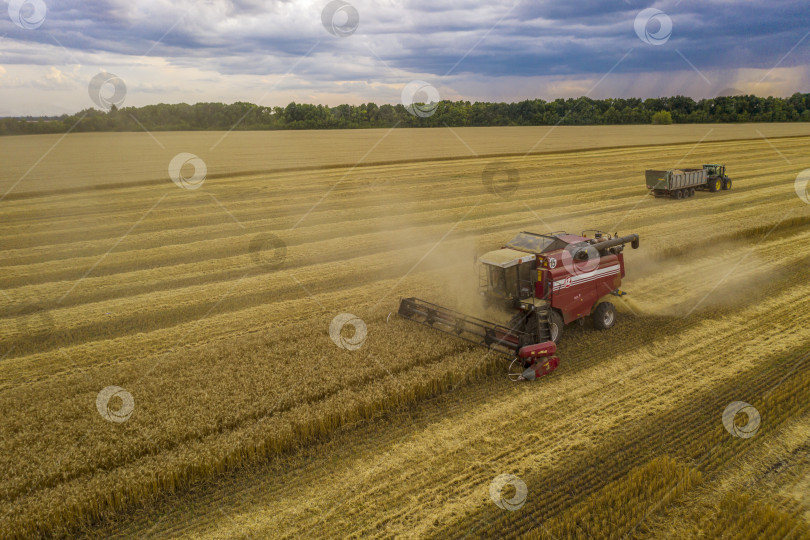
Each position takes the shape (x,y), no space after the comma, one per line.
(229,50)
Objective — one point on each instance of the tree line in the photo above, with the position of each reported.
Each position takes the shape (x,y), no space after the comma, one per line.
(534,112)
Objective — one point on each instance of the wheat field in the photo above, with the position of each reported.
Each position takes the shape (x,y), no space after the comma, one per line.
(212,308)
(37,163)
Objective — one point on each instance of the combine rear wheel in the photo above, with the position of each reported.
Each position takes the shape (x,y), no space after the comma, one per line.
(604,316)
(555,326)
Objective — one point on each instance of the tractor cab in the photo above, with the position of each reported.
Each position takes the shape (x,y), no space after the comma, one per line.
(715,170)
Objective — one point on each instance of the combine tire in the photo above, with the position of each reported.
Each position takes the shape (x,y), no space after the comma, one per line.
(604,316)
(715,185)
(727,184)
(555,326)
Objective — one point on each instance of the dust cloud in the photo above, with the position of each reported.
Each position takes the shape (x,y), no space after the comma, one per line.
(719,276)
(437,253)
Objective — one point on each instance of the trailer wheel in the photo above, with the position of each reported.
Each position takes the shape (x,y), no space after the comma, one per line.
(604,316)
(679,194)
(727,184)
(555,326)
(692,192)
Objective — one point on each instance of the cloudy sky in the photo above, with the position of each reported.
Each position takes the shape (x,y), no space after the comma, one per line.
(272,51)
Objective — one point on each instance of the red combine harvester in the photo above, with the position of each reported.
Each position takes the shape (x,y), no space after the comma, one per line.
(546,281)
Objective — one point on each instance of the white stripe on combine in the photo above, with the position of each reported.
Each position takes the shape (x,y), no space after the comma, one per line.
(561,285)
(588,276)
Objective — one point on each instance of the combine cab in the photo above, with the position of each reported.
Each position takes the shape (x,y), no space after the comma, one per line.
(545,281)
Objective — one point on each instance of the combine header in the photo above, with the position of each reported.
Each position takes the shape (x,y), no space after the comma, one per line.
(546,282)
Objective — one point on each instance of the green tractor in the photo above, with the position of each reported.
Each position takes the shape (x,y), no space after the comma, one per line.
(716,178)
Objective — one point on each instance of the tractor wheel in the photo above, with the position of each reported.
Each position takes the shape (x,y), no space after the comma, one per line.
(727,184)
(715,184)
(604,316)
(679,194)
(555,326)
(692,192)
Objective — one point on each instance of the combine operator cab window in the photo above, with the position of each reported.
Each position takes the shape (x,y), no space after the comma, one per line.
(536,243)
(497,278)
(513,282)
(526,279)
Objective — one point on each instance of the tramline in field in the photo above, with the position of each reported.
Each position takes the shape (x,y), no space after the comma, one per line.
(547,281)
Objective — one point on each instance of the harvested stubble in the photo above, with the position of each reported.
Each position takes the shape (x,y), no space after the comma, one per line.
(655,415)
(134,159)
(228,366)
(758,493)
(621,505)
(604,415)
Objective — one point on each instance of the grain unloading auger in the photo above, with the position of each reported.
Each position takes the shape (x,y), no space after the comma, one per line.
(546,282)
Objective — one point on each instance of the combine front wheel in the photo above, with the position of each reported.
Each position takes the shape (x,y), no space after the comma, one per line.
(604,316)
(555,326)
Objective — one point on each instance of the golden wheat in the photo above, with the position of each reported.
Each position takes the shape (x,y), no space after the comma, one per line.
(228,356)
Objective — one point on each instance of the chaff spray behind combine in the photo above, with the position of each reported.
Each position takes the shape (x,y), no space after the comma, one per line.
(545,281)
